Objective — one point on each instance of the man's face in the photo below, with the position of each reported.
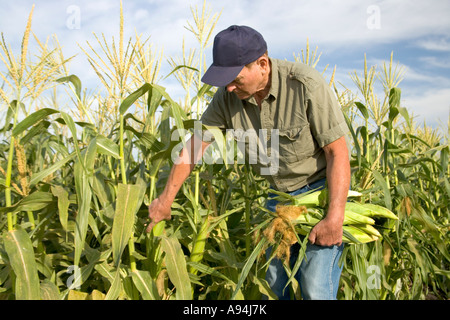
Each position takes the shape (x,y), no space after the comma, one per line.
(249,81)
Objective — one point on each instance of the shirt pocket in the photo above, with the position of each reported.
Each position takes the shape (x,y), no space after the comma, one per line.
(295,144)
(247,143)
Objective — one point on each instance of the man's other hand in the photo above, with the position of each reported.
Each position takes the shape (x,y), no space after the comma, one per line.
(158,210)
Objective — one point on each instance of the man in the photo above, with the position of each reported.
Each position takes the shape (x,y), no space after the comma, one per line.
(295,106)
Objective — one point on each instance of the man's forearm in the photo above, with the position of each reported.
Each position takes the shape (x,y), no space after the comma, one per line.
(178,174)
(338,177)
(182,168)
(328,231)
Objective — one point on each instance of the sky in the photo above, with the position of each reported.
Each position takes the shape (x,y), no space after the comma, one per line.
(417,32)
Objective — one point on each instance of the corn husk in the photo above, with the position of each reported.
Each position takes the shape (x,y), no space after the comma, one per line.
(297,215)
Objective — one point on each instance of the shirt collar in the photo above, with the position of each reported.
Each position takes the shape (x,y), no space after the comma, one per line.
(274,78)
(273,82)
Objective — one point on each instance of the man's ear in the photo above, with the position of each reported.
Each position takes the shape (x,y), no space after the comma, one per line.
(263,63)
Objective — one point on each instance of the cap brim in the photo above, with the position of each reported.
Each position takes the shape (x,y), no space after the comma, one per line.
(221,76)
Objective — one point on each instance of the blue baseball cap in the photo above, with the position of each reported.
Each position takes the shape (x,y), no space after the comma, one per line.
(233,49)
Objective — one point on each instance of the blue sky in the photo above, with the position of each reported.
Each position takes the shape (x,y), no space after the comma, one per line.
(418,32)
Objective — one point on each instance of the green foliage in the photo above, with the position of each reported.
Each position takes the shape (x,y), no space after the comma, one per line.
(74,194)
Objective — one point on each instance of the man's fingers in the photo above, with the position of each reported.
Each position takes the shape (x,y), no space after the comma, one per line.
(157,211)
(312,236)
(155,221)
(150,226)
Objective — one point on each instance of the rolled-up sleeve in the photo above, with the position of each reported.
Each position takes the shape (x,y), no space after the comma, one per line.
(214,115)
(327,122)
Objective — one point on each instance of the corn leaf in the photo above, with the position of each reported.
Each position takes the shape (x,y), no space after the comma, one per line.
(32,119)
(248,265)
(75,81)
(39,176)
(10,115)
(298,262)
(384,186)
(129,199)
(107,146)
(71,125)
(363,109)
(394,98)
(180,67)
(205,89)
(208,270)
(116,286)
(20,252)
(177,112)
(106,271)
(83,180)
(153,102)
(40,128)
(33,202)
(63,204)
(128,101)
(145,284)
(49,291)
(176,267)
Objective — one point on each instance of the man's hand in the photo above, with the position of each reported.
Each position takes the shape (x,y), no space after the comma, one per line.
(327,232)
(157,211)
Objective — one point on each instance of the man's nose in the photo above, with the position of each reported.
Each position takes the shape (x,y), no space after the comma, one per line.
(231,87)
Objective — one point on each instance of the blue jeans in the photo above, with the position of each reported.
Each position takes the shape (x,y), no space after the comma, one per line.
(319,272)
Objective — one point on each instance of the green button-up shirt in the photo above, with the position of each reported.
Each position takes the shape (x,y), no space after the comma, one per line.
(297,118)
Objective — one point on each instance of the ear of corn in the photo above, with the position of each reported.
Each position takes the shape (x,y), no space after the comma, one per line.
(301,213)
(374,210)
(199,245)
(309,200)
(371,210)
(315,198)
(355,235)
(369,229)
(352,217)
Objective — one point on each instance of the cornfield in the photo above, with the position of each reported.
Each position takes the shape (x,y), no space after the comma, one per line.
(76,179)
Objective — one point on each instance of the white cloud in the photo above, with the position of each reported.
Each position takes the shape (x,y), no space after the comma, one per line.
(339,23)
(345,26)
(326,21)
(415,76)
(285,24)
(441,44)
(436,62)
(432,106)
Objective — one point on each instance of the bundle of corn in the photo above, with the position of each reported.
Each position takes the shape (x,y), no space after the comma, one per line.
(297,215)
